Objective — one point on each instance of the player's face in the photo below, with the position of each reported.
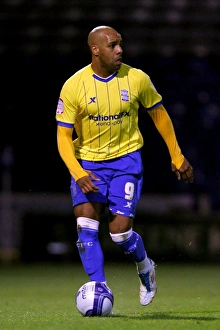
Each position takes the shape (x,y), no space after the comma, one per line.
(110,52)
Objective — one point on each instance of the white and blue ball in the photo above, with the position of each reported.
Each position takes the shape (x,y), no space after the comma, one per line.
(94,299)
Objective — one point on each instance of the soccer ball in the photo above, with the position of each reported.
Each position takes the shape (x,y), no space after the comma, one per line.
(94,299)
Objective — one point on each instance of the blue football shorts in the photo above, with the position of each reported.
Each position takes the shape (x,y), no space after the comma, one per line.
(120,184)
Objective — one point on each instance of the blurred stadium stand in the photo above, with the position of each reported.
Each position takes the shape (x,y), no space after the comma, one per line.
(177,42)
(153,26)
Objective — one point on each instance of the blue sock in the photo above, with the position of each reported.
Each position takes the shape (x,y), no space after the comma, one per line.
(91,254)
(134,247)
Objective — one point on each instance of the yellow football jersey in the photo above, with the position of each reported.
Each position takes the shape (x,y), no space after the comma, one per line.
(104,111)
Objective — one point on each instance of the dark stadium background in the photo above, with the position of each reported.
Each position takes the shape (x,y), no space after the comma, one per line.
(44,42)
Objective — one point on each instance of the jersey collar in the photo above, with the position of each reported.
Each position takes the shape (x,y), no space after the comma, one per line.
(105,79)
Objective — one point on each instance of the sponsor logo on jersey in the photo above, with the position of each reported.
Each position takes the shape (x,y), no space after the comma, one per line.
(111,117)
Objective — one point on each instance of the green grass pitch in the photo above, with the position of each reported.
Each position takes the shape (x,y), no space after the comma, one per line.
(42,297)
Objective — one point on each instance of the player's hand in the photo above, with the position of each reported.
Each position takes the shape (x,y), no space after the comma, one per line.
(185,172)
(86,183)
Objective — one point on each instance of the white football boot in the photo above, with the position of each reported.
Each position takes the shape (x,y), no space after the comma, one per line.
(148,286)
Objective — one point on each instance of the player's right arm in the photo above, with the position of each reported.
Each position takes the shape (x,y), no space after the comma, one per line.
(67,153)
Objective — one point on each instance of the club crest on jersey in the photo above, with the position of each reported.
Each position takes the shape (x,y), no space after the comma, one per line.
(60,107)
(124,95)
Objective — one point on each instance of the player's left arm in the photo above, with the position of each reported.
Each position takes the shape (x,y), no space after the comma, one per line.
(179,164)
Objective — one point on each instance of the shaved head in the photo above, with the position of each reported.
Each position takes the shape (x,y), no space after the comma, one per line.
(98,33)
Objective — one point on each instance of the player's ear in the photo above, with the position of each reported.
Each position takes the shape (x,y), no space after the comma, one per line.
(95,50)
